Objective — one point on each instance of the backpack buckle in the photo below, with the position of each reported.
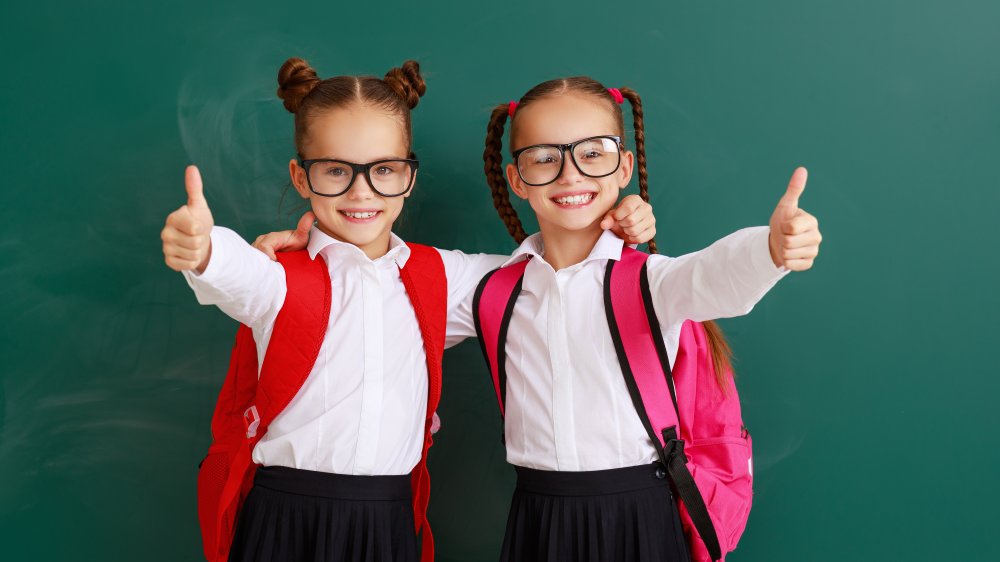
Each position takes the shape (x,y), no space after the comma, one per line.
(252,420)
(673,445)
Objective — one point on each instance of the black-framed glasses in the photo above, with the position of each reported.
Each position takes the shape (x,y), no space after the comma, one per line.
(595,157)
(389,178)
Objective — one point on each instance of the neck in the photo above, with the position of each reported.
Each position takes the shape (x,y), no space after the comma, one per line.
(374,249)
(564,248)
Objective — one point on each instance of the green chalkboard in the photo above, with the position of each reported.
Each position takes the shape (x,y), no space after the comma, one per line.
(867,381)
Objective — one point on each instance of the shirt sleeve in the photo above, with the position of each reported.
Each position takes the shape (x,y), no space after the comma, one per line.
(464,272)
(724,280)
(243,282)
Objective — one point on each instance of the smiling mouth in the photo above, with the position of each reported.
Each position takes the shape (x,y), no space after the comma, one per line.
(360,216)
(576,200)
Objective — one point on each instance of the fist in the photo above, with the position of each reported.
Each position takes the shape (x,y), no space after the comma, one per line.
(632,220)
(187,244)
(795,236)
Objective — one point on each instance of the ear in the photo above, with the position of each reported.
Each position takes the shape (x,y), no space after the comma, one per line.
(299,180)
(514,180)
(625,169)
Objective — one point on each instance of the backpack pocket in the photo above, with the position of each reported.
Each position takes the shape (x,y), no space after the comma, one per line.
(217,517)
(723,470)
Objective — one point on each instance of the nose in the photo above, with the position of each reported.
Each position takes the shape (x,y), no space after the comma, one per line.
(570,172)
(360,189)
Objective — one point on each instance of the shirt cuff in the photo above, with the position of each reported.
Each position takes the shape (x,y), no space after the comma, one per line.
(761,256)
(217,264)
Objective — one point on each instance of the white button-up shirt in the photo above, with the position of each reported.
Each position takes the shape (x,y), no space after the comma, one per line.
(362,408)
(568,407)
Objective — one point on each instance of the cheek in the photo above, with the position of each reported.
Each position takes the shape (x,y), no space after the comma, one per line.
(394,206)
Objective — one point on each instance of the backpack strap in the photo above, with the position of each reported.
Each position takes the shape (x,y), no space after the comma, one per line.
(427,288)
(638,342)
(298,334)
(492,307)
(299,330)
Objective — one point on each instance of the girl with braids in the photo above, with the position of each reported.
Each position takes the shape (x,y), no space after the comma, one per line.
(353,341)
(586,488)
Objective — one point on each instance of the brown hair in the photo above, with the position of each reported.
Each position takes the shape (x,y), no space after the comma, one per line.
(493,159)
(306,95)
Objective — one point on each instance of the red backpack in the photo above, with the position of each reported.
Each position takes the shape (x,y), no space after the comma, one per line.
(247,403)
(696,427)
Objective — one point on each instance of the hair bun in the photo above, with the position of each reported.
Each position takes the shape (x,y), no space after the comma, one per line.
(407,82)
(295,80)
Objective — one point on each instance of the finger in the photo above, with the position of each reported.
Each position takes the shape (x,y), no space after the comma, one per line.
(261,245)
(642,237)
(809,252)
(796,185)
(799,264)
(184,253)
(641,214)
(178,264)
(174,237)
(643,224)
(608,221)
(194,188)
(305,225)
(799,223)
(811,238)
(628,206)
(183,221)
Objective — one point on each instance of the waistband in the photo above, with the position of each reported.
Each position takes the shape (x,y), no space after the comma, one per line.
(591,483)
(335,486)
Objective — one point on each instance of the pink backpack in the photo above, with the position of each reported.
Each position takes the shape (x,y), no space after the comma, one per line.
(696,427)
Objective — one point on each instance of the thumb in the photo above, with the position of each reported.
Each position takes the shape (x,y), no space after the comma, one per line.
(193,186)
(305,225)
(796,185)
(609,220)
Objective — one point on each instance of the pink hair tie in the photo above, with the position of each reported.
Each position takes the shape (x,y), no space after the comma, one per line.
(617,95)
(511,108)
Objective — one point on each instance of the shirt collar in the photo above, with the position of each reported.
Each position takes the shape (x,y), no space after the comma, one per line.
(608,246)
(319,241)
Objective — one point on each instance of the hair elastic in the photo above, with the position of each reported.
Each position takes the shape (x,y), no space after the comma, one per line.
(511,107)
(617,95)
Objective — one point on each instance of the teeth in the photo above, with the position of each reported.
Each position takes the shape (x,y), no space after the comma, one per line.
(575,199)
(366,215)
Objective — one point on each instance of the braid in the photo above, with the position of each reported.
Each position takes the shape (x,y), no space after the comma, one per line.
(493,159)
(640,147)
(722,354)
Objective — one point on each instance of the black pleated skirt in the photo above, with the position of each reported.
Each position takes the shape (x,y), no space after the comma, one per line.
(293,515)
(624,514)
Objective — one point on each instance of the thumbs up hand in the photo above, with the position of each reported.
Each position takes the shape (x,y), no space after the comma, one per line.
(795,236)
(186,241)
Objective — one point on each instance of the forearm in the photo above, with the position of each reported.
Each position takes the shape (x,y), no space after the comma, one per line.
(241,281)
(726,279)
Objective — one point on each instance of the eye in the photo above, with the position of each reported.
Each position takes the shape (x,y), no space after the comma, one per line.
(592,154)
(384,170)
(336,172)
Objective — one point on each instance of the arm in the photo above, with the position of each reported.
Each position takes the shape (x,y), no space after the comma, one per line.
(729,277)
(219,266)
(464,272)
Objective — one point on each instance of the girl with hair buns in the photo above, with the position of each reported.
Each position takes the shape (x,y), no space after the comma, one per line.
(587,490)
(338,463)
